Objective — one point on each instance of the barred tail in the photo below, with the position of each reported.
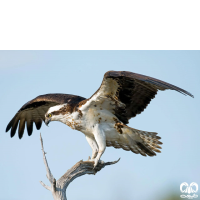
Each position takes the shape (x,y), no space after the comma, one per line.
(139,142)
(150,142)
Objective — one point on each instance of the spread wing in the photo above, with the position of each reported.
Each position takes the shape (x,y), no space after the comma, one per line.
(34,111)
(127,94)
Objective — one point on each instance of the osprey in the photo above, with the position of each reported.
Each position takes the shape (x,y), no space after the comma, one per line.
(103,118)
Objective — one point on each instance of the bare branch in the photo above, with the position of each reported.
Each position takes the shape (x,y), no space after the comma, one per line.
(46,186)
(49,174)
(58,188)
(81,168)
(54,185)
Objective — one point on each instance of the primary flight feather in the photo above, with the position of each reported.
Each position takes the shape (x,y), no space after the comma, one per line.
(103,118)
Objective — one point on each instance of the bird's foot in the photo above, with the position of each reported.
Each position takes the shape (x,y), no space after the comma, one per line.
(96,161)
(91,159)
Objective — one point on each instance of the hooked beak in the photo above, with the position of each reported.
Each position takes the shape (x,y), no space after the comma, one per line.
(47,120)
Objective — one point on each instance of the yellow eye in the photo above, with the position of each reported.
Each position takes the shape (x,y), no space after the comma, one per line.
(49,115)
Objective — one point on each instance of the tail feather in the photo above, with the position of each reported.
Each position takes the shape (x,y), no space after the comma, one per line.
(145,149)
(137,141)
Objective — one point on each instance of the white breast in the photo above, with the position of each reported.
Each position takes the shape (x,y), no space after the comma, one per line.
(90,118)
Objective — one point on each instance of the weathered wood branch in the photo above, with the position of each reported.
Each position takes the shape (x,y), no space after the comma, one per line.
(58,188)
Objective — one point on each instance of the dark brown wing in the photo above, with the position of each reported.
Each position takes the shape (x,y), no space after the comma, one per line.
(133,90)
(34,111)
(136,91)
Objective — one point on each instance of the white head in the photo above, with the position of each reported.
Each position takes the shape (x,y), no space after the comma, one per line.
(57,113)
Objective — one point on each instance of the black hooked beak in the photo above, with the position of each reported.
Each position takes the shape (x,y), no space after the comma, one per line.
(47,120)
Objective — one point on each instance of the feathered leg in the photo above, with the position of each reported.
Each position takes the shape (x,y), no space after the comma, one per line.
(100,138)
(93,145)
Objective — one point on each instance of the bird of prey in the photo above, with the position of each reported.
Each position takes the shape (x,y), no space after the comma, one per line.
(103,117)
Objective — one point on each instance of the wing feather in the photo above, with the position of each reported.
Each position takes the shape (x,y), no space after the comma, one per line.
(130,93)
(38,124)
(34,111)
(21,128)
(14,127)
(29,125)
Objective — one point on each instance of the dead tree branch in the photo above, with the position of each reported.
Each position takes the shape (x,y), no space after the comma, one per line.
(58,188)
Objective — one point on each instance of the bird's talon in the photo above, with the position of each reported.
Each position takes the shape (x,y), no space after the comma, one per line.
(95,166)
(96,161)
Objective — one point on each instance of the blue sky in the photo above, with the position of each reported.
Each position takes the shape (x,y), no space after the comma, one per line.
(27,74)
